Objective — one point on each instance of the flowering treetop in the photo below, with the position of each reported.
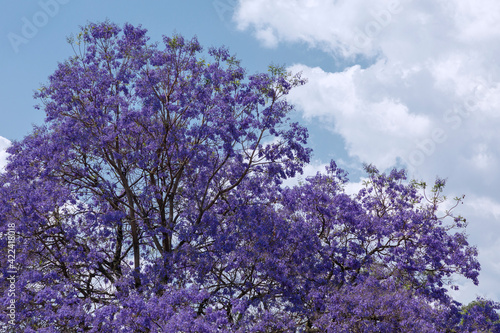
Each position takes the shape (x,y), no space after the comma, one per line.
(151,201)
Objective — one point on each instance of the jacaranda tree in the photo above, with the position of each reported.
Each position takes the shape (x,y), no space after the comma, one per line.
(152,201)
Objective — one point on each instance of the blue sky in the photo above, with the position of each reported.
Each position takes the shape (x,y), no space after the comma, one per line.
(391,82)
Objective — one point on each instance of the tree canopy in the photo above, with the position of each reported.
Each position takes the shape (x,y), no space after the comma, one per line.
(152,200)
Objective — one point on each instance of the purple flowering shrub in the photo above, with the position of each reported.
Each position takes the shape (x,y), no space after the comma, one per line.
(151,201)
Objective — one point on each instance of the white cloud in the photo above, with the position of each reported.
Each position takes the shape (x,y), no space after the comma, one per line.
(484,207)
(4,144)
(476,22)
(267,37)
(309,170)
(432,97)
(333,25)
(353,188)
(376,126)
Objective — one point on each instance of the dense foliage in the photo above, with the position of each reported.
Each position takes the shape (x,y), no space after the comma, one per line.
(152,201)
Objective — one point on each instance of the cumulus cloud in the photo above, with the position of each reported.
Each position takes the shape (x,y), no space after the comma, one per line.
(332,25)
(430,96)
(427,95)
(4,144)
(377,127)
(379,26)
(431,85)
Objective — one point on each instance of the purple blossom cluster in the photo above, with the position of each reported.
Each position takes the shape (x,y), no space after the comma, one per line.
(151,200)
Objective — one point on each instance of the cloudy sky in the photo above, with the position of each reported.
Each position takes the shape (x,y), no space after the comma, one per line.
(403,83)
